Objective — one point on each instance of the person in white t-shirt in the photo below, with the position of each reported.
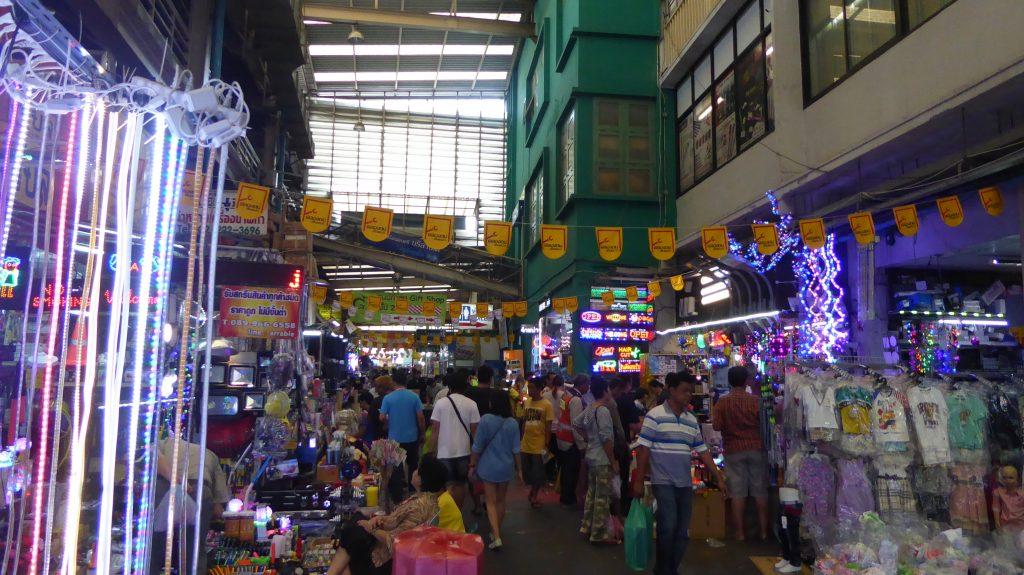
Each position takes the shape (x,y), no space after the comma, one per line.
(453,424)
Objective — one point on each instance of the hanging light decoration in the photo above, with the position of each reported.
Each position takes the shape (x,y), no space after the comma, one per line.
(822,327)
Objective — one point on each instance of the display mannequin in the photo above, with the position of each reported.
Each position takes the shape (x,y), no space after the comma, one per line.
(1008,500)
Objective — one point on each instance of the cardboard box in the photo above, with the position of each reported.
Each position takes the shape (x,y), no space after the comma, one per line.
(708,515)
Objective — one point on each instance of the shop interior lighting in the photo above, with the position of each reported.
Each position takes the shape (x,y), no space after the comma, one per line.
(446,76)
(411,49)
(15,173)
(1006,262)
(949,313)
(976,322)
(311,333)
(726,321)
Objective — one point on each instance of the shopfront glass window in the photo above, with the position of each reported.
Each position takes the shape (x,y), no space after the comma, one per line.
(869,25)
(536,198)
(920,10)
(725,119)
(769,66)
(750,90)
(703,146)
(684,96)
(723,53)
(702,76)
(826,43)
(685,153)
(748,26)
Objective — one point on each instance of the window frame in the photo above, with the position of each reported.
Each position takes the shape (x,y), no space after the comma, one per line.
(739,52)
(533,237)
(539,64)
(570,113)
(624,132)
(903,30)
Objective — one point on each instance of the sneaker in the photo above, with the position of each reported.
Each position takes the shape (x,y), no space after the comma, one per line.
(790,568)
(782,563)
(495,545)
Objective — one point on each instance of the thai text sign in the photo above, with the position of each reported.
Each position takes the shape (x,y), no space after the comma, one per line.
(257,312)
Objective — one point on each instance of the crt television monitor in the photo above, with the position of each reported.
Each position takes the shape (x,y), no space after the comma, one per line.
(242,376)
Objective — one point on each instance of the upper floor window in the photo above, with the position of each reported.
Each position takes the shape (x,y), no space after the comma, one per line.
(840,36)
(535,87)
(567,157)
(724,104)
(535,201)
(625,158)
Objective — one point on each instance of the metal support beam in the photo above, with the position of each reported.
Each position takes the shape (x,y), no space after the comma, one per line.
(415,267)
(333,13)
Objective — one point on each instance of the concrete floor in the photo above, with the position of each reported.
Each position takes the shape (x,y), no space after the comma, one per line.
(546,541)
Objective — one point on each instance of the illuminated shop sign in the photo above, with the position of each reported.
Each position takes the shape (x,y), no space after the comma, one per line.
(605,366)
(629,352)
(591,316)
(616,334)
(642,317)
(629,366)
(602,351)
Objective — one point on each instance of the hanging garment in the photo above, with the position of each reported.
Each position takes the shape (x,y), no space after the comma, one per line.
(854,404)
(894,492)
(817,485)
(818,402)
(1005,423)
(889,420)
(853,491)
(967,508)
(933,486)
(931,424)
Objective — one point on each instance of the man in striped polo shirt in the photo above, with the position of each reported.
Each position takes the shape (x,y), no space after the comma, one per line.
(668,439)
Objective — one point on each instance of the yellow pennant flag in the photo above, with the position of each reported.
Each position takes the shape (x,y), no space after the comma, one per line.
(423,339)
(497,237)
(632,294)
(558,304)
(992,200)
(437,231)
(373,303)
(402,305)
(863,226)
(813,233)
(521,309)
(318,293)
(316,213)
(376,224)
(906,219)
(608,297)
(715,241)
(572,304)
(449,339)
(251,200)
(678,283)
(483,310)
(951,211)
(429,308)
(554,240)
(346,298)
(767,238)
(654,288)
(662,242)
(324,311)
(454,310)
(609,243)
(508,309)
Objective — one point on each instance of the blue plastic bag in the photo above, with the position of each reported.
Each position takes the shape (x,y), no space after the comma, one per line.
(639,536)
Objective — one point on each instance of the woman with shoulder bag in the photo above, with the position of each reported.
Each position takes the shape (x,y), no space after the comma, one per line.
(495,462)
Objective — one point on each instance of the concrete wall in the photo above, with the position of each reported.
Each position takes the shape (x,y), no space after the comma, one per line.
(965,50)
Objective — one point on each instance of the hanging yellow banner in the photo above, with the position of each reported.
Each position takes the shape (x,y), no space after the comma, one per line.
(992,200)
(554,240)
(572,304)
(767,238)
(608,297)
(318,293)
(906,219)
(449,339)
(346,299)
(483,310)
(423,340)
(609,243)
(662,242)
(316,213)
(454,311)
(654,288)
(437,231)
(508,309)
(373,303)
(497,237)
(521,309)
(863,226)
(558,304)
(429,308)
(951,211)
(402,305)
(632,294)
(324,311)
(251,200)
(715,241)
(376,224)
(678,283)
(813,233)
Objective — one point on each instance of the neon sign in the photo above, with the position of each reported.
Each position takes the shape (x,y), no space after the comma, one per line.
(616,334)
(136,266)
(640,334)
(629,366)
(10,276)
(604,351)
(591,333)
(641,319)
(591,316)
(615,317)
(50,300)
(629,352)
(605,366)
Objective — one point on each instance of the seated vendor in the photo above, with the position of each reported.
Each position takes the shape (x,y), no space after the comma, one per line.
(366,546)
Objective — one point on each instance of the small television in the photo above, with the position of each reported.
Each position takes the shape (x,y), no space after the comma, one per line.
(241,376)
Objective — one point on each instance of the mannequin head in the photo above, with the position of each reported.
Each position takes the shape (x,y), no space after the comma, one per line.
(1008,477)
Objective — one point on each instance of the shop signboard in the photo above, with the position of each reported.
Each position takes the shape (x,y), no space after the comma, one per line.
(230,220)
(389,314)
(259,312)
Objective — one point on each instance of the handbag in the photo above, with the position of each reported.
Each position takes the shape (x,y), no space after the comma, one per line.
(472,473)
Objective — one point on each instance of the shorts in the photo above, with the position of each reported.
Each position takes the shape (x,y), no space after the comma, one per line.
(458,469)
(745,472)
(534,472)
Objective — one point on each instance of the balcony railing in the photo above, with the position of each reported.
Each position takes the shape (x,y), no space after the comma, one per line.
(681,19)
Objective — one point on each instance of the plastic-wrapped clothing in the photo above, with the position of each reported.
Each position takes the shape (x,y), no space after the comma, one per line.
(817,484)
(894,492)
(967,507)
(933,486)
(931,424)
(1005,421)
(889,420)
(968,416)
(854,405)
(853,491)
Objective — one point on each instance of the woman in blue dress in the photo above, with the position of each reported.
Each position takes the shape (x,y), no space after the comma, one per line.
(495,461)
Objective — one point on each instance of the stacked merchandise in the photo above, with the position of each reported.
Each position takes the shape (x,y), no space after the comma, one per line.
(904,474)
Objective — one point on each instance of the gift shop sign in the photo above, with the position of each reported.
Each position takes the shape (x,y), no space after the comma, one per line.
(263,313)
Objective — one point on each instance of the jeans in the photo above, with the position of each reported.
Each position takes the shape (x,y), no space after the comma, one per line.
(570,470)
(675,504)
(598,503)
(789,533)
